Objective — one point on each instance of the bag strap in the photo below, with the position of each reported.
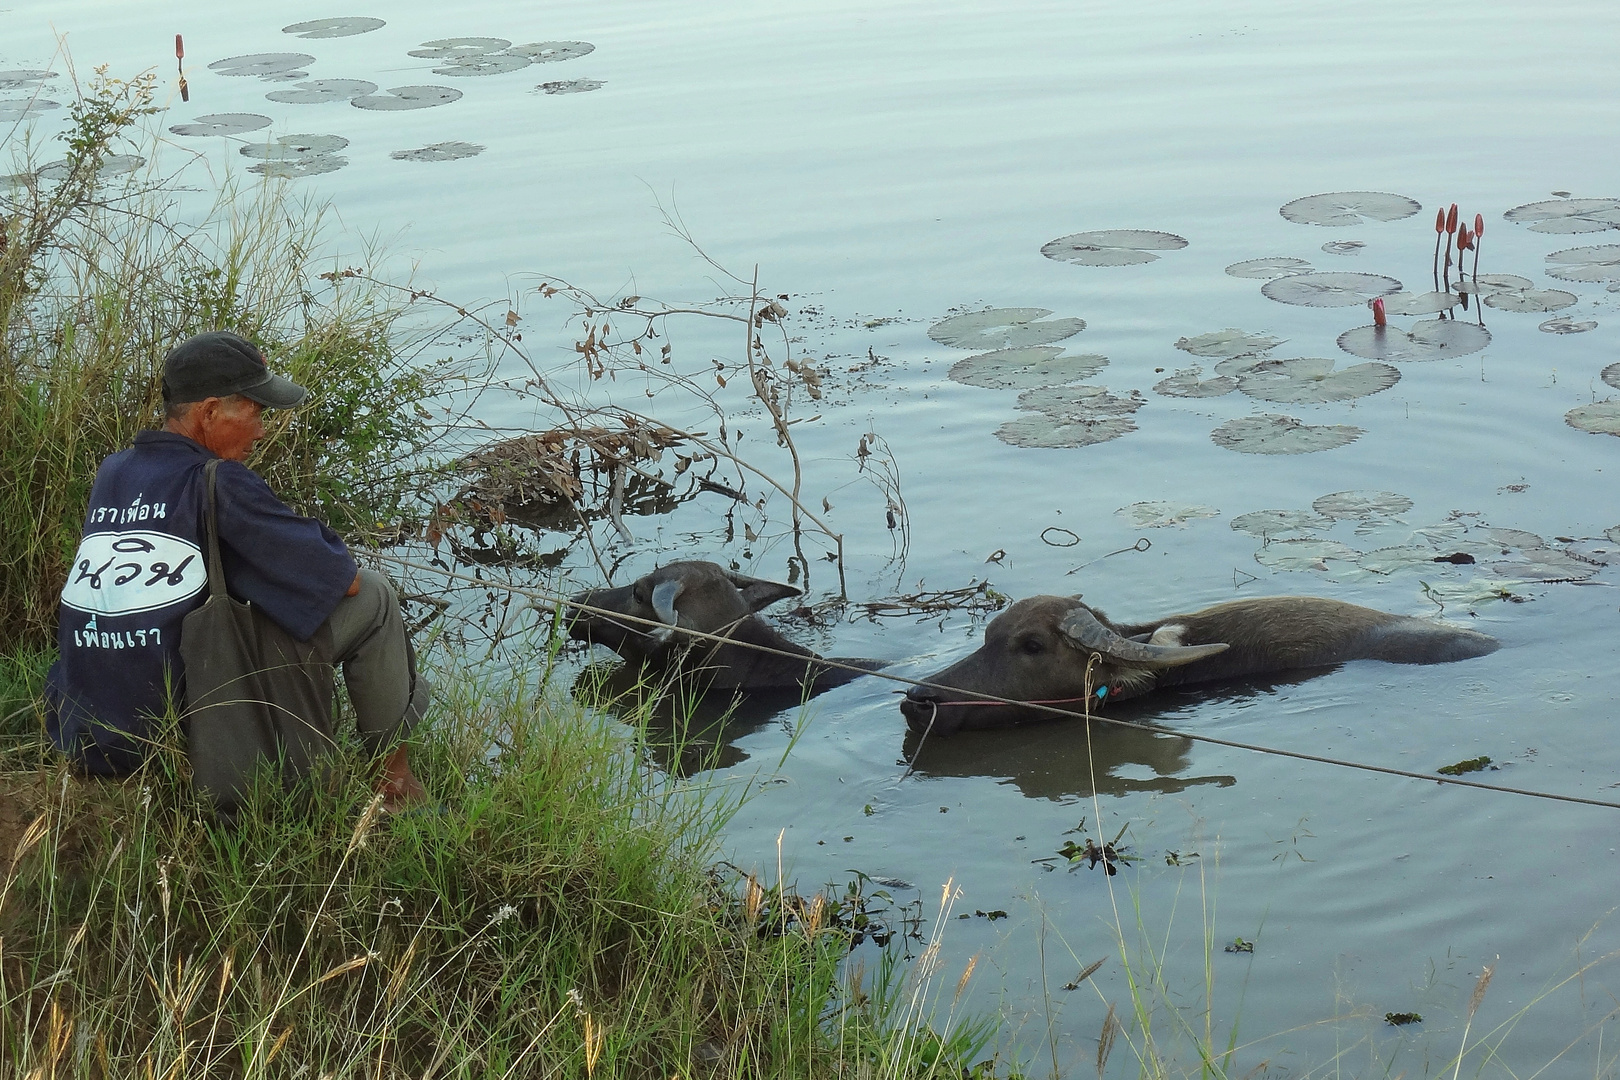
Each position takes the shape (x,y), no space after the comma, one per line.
(216,567)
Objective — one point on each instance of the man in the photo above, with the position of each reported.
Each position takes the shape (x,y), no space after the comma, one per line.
(141,568)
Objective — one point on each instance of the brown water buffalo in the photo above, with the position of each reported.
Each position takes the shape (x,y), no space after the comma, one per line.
(705,597)
(1055,650)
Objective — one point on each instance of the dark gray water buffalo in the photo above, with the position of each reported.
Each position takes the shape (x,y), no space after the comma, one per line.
(1055,650)
(705,597)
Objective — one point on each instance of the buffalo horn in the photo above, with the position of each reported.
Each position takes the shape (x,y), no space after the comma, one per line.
(663,602)
(1084,628)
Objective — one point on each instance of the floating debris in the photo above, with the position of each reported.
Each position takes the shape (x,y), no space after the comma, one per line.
(450,48)
(1111,247)
(1398,1019)
(1268,523)
(334,28)
(321,91)
(1162,515)
(551,52)
(1477,764)
(1425,303)
(1338,208)
(1328,289)
(223,124)
(1567,215)
(1268,433)
(1431,339)
(570,86)
(444,151)
(1563,324)
(1362,505)
(402,98)
(1600,262)
(261,65)
(1187,383)
(1344,247)
(1021,369)
(1311,379)
(1530,300)
(1270,267)
(1228,343)
(1003,328)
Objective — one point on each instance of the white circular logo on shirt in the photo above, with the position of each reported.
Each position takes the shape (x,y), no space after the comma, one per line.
(120,573)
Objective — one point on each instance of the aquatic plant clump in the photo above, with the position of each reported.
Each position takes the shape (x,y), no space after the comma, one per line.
(1003,328)
(1112,247)
(1269,433)
(1327,289)
(1340,208)
(1026,368)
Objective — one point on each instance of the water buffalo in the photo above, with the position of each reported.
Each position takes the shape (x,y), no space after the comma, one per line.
(705,597)
(1055,650)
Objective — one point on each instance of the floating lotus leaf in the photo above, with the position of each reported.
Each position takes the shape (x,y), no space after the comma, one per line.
(1111,247)
(261,64)
(482,64)
(1228,343)
(1405,557)
(18,78)
(1162,515)
(1329,289)
(1518,539)
(1186,384)
(444,151)
(401,98)
(1019,369)
(1423,303)
(1003,328)
(1489,283)
(1269,433)
(570,86)
(447,48)
(1547,564)
(1563,324)
(1431,339)
(293,168)
(1269,523)
(1271,267)
(1050,432)
(1311,379)
(14,109)
(1611,375)
(1344,247)
(334,28)
(1349,208)
(1601,262)
(1238,366)
(320,91)
(111,165)
(1568,215)
(1474,591)
(295,147)
(285,76)
(1078,402)
(1531,300)
(1304,554)
(551,52)
(1362,505)
(1602,418)
(1613,534)
(231,123)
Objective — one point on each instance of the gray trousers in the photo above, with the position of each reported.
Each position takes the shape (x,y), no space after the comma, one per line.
(379,665)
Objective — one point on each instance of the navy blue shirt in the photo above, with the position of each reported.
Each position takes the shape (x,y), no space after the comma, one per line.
(141,568)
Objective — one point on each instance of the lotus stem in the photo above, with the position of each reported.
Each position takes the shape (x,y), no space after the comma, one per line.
(1479,231)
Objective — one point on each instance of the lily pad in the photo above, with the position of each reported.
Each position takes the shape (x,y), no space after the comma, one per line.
(1329,289)
(1079,402)
(1424,303)
(334,28)
(1111,247)
(1403,557)
(1530,300)
(1601,418)
(1489,283)
(482,64)
(570,86)
(1519,539)
(1163,515)
(1186,383)
(1311,379)
(19,78)
(1304,554)
(1563,324)
(448,48)
(1043,430)
(1228,343)
(1474,591)
(1236,367)
(1362,505)
(1019,369)
(111,165)
(295,147)
(444,151)
(1601,262)
(14,109)
(1344,247)
(1568,215)
(1003,328)
(1338,208)
(1271,267)
(294,168)
(1611,375)
(1431,339)
(1269,523)
(402,98)
(551,52)
(321,91)
(1268,433)
(223,124)
(1547,564)
(261,64)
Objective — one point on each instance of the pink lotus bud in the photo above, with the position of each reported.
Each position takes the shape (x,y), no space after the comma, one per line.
(1440,221)
(1479,225)
(179,48)
(1379,319)
(1451,219)
(1464,240)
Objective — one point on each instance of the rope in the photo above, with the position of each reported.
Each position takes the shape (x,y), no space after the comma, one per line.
(991,699)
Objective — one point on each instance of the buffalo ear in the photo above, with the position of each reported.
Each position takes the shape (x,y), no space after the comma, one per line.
(758,593)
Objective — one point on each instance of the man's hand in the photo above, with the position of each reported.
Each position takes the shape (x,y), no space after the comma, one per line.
(354,586)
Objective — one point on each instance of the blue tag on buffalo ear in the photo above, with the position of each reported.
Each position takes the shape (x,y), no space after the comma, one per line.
(1102,692)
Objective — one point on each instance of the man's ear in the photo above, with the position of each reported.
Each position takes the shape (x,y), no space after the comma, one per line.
(758,593)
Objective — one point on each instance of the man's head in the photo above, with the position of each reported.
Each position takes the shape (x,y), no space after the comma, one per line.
(216,386)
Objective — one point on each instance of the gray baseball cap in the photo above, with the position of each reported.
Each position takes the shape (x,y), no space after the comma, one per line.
(218,364)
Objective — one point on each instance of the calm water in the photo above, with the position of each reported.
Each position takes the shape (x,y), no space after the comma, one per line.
(887,164)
